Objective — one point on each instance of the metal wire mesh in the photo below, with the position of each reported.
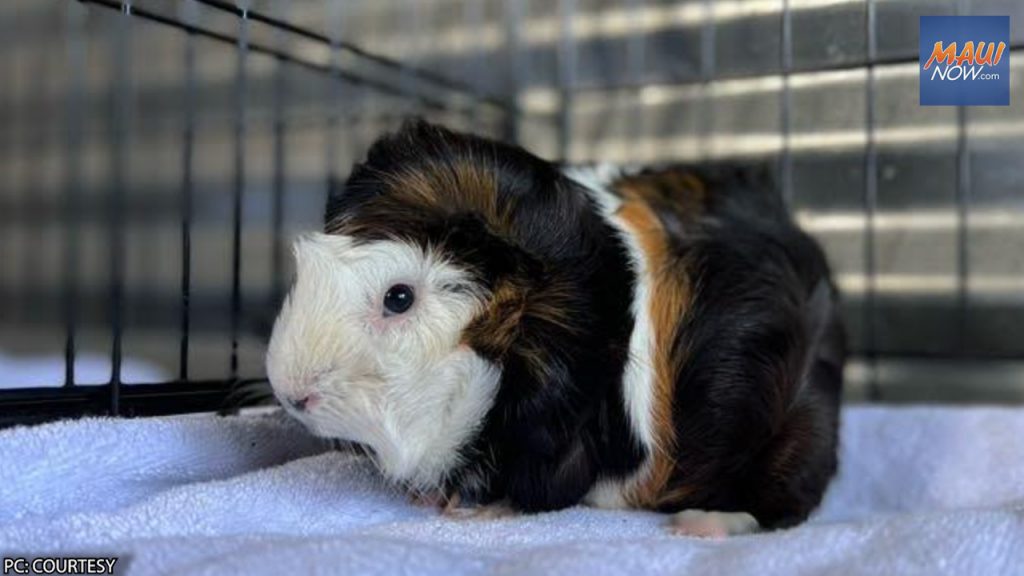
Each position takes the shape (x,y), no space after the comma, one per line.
(159,155)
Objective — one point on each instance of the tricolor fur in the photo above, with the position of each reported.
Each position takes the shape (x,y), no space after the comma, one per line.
(666,339)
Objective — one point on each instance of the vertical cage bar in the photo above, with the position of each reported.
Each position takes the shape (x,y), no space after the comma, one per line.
(8,104)
(412,17)
(343,106)
(636,46)
(634,55)
(278,174)
(277,187)
(870,205)
(786,105)
(187,190)
(121,111)
(368,117)
(474,72)
(241,81)
(359,100)
(75,54)
(333,91)
(706,121)
(963,201)
(567,62)
(31,184)
(9,179)
(8,147)
(512,18)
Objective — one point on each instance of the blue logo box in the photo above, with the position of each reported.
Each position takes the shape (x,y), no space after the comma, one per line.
(965,60)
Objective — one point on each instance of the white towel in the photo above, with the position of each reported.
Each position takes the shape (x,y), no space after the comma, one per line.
(921,491)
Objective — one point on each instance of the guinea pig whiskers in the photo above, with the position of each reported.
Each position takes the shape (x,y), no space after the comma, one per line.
(247,394)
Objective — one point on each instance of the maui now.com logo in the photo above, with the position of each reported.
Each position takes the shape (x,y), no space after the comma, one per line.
(965,60)
(968,65)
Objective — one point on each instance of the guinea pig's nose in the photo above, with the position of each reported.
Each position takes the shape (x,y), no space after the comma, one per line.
(304,403)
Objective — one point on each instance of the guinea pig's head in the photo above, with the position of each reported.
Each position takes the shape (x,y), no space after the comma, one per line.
(367,347)
(421,286)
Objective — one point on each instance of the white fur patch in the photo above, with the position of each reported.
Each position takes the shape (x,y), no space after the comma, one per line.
(401,384)
(607,494)
(596,179)
(638,375)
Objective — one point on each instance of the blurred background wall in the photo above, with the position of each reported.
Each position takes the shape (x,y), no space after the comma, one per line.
(128,146)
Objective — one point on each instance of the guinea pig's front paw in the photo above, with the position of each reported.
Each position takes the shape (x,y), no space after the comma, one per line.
(710,524)
(483,512)
(428,499)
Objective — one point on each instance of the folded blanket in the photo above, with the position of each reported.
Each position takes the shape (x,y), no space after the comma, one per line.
(920,491)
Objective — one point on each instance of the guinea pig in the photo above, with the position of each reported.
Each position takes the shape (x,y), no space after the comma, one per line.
(508,332)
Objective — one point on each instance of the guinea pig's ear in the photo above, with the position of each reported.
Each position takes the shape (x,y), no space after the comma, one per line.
(335,186)
(416,129)
(384,152)
(407,144)
(362,184)
(335,199)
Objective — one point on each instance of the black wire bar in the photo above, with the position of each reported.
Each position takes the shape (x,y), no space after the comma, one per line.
(238,186)
(786,105)
(121,112)
(187,193)
(963,204)
(72,186)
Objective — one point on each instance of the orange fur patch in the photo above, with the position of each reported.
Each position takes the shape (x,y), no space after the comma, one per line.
(679,193)
(499,329)
(670,302)
(462,186)
(458,186)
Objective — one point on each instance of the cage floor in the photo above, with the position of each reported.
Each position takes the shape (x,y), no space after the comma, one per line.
(921,491)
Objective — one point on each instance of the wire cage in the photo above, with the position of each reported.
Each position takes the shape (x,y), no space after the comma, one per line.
(158,156)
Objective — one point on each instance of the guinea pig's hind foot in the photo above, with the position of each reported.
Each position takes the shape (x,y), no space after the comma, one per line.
(710,524)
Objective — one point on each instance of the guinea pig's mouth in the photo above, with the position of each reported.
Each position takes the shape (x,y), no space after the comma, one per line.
(346,437)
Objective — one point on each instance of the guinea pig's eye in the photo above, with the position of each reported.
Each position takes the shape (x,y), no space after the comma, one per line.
(398,299)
